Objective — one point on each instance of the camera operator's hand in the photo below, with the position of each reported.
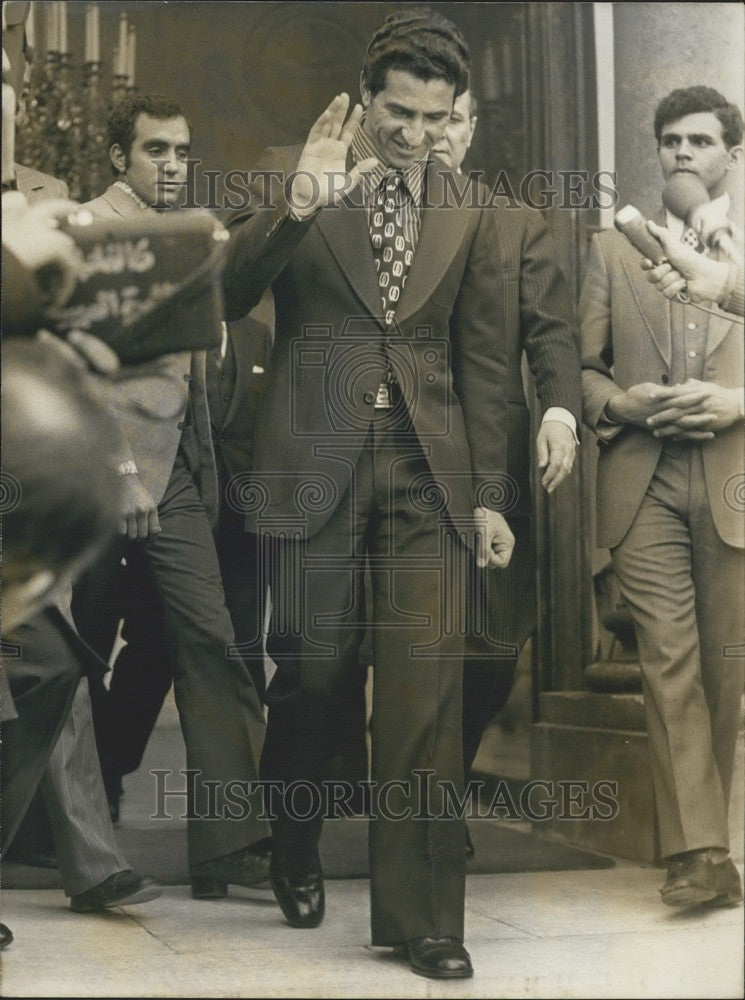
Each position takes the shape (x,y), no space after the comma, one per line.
(494,540)
(30,234)
(703,278)
(321,177)
(138,514)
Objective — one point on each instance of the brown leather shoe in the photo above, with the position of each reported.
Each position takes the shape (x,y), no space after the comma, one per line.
(727,884)
(439,958)
(690,882)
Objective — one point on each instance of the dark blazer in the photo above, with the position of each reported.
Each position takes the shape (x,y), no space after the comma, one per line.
(537,318)
(156,396)
(331,347)
(233,439)
(626,327)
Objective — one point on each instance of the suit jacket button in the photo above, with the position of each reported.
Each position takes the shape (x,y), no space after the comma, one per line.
(187,377)
(181,424)
(369,397)
(665,379)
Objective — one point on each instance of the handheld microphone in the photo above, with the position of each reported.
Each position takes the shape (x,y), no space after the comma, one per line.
(685,196)
(682,195)
(631,223)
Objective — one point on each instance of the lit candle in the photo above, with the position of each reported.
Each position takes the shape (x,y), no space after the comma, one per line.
(122,67)
(131,55)
(31,26)
(88,55)
(62,8)
(95,33)
(50,26)
(115,63)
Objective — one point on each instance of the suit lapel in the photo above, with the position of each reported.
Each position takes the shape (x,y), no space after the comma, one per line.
(121,203)
(653,306)
(346,232)
(442,231)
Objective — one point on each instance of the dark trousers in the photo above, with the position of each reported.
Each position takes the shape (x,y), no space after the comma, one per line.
(417,566)
(221,716)
(503,610)
(125,714)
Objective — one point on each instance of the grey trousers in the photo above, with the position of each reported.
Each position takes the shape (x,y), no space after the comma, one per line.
(686,589)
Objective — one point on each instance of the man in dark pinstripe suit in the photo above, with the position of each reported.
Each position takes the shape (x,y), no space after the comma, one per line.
(537,319)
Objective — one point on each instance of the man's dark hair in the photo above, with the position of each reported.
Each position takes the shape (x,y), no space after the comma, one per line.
(123,118)
(692,101)
(422,43)
(59,444)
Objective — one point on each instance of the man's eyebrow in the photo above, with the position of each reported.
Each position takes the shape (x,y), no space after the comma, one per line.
(689,135)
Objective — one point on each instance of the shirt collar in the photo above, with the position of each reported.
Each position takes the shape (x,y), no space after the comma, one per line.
(364,148)
(124,186)
(677,226)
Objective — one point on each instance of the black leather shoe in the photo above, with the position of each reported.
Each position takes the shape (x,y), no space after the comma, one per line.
(248,867)
(121,889)
(727,884)
(6,936)
(301,899)
(439,958)
(690,882)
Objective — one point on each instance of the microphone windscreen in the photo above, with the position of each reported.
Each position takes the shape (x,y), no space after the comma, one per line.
(682,193)
(630,222)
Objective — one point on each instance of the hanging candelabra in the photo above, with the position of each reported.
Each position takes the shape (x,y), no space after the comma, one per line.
(62,130)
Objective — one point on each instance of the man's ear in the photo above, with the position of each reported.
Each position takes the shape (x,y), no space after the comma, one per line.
(735,157)
(473,123)
(365,95)
(117,157)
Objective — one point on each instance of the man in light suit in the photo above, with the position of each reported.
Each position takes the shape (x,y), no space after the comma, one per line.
(127,711)
(536,318)
(662,386)
(168,473)
(382,435)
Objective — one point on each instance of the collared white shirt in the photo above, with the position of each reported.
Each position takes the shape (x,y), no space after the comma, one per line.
(363,148)
(677,226)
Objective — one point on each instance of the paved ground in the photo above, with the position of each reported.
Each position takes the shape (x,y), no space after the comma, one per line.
(601,933)
(568,934)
